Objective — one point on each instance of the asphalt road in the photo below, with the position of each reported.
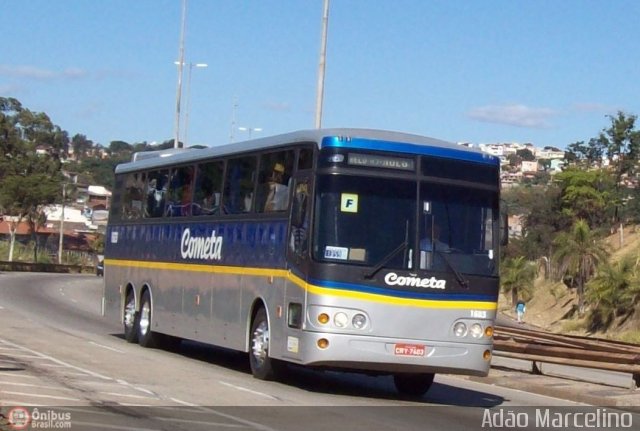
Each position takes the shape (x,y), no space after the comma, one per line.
(57,352)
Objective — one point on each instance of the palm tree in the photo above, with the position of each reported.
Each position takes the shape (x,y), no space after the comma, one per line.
(517,276)
(613,291)
(578,254)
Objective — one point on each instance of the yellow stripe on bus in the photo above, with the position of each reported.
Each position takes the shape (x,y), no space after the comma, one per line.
(313,289)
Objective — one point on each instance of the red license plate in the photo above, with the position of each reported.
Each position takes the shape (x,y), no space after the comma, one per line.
(410,349)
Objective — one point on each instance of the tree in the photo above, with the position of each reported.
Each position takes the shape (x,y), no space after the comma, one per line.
(585,155)
(517,277)
(622,144)
(586,194)
(81,145)
(119,148)
(613,292)
(578,253)
(526,155)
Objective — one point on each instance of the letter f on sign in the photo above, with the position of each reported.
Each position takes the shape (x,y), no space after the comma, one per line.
(349,203)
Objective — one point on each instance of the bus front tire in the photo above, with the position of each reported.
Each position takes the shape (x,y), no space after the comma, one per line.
(413,385)
(146,337)
(263,367)
(130,319)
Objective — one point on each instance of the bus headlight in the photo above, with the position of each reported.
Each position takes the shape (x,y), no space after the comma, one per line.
(476,330)
(341,320)
(359,321)
(460,329)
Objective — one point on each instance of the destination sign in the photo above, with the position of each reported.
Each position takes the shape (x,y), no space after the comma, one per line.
(370,161)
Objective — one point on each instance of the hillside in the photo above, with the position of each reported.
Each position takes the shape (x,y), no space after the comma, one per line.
(553,305)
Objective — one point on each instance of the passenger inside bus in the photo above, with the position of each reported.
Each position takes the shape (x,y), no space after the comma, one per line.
(277,192)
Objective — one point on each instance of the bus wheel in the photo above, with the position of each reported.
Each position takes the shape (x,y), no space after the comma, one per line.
(146,337)
(262,366)
(130,318)
(413,385)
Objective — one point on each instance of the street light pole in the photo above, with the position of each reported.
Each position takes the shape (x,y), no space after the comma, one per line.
(186,120)
(321,67)
(61,240)
(176,139)
(250,130)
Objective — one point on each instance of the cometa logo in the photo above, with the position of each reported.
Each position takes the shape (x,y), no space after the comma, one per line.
(393,279)
(201,247)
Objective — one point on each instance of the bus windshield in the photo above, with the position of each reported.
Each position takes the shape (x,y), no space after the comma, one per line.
(365,221)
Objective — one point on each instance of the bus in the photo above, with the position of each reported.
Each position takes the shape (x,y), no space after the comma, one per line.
(343,249)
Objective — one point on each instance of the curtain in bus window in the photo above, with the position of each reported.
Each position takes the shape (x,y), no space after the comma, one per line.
(239,185)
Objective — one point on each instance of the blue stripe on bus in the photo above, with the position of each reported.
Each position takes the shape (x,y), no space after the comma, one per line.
(402,294)
(452,153)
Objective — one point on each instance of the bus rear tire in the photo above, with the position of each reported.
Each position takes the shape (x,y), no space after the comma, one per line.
(263,367)
(130,318)
(413,385)
(146,337)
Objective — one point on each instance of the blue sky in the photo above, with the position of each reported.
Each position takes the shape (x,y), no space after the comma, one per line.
(541,71)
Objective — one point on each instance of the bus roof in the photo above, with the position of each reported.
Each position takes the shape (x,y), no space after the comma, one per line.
(321,137)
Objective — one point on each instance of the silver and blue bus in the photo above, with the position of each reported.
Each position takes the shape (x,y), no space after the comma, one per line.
(347,249)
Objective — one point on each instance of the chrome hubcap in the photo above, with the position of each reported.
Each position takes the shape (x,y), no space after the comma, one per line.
(129,313)
(145,318)
(260,342)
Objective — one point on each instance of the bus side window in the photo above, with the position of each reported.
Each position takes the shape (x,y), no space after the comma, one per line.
(298,241)
(239,185)
(208,189)
(180,192)
(133,198)
(273,187)
(156,191)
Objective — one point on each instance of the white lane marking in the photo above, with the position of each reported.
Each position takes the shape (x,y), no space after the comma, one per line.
(76,374)
(193,422)
(52,359)
(184,403)
(53,397)
(9,348)
(117,394)
(29,385)
(113,349)
(54,365)
(243,389)
(20,403)
(249,423)
(93,425)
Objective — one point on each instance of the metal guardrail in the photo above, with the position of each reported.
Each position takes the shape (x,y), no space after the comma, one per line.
(44,267)
(545,347)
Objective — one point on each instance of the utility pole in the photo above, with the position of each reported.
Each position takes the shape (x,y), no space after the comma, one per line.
(176,139)
(61,240)
(321,67)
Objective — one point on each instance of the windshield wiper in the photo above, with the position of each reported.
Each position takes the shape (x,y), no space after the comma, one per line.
(386,259)
(464,283)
